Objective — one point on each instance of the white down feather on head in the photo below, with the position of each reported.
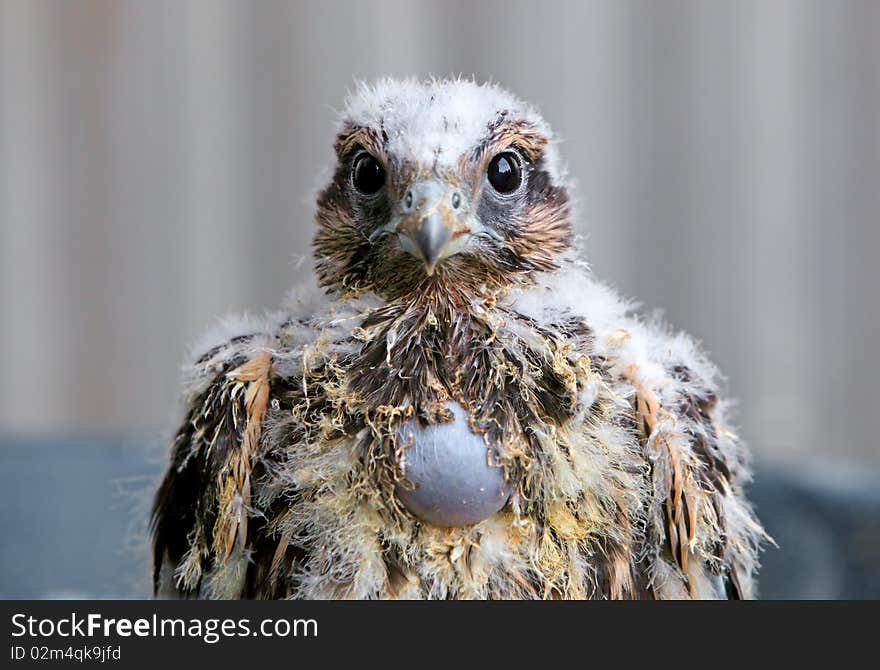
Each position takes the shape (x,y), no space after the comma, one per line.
(436,121)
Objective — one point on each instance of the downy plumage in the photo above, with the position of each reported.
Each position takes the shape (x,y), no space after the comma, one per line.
(447,274)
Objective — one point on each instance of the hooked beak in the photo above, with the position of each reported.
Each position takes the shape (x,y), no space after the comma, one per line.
(430,242)
(434,222)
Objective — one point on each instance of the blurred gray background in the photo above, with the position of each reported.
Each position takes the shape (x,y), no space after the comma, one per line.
(157,166)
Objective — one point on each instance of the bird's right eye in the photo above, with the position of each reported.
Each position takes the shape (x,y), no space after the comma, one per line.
(368,175)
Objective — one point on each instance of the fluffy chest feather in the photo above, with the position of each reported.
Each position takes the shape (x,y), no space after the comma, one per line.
(461,401)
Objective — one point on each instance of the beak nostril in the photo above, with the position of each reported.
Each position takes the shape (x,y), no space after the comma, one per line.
(432,222)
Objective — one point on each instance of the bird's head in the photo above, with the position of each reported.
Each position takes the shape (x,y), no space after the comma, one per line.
(444,186)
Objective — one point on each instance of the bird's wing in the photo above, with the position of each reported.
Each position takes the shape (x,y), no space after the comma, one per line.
(202,522)
(705,531)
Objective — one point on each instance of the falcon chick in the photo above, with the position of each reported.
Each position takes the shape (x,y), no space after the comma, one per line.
(463,411)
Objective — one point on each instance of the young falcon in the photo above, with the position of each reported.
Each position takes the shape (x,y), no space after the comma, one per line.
(463,411)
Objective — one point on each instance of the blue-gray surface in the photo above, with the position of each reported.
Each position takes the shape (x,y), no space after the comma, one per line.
(73,521)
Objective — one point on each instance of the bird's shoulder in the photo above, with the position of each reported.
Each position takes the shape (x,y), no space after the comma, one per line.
(700,521)
(641,351)
(234,380)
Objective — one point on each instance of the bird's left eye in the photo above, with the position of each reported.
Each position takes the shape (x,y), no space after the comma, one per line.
(368,175)
(505,172)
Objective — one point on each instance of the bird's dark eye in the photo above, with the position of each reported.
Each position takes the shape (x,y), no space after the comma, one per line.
(505,172)
(368,175)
